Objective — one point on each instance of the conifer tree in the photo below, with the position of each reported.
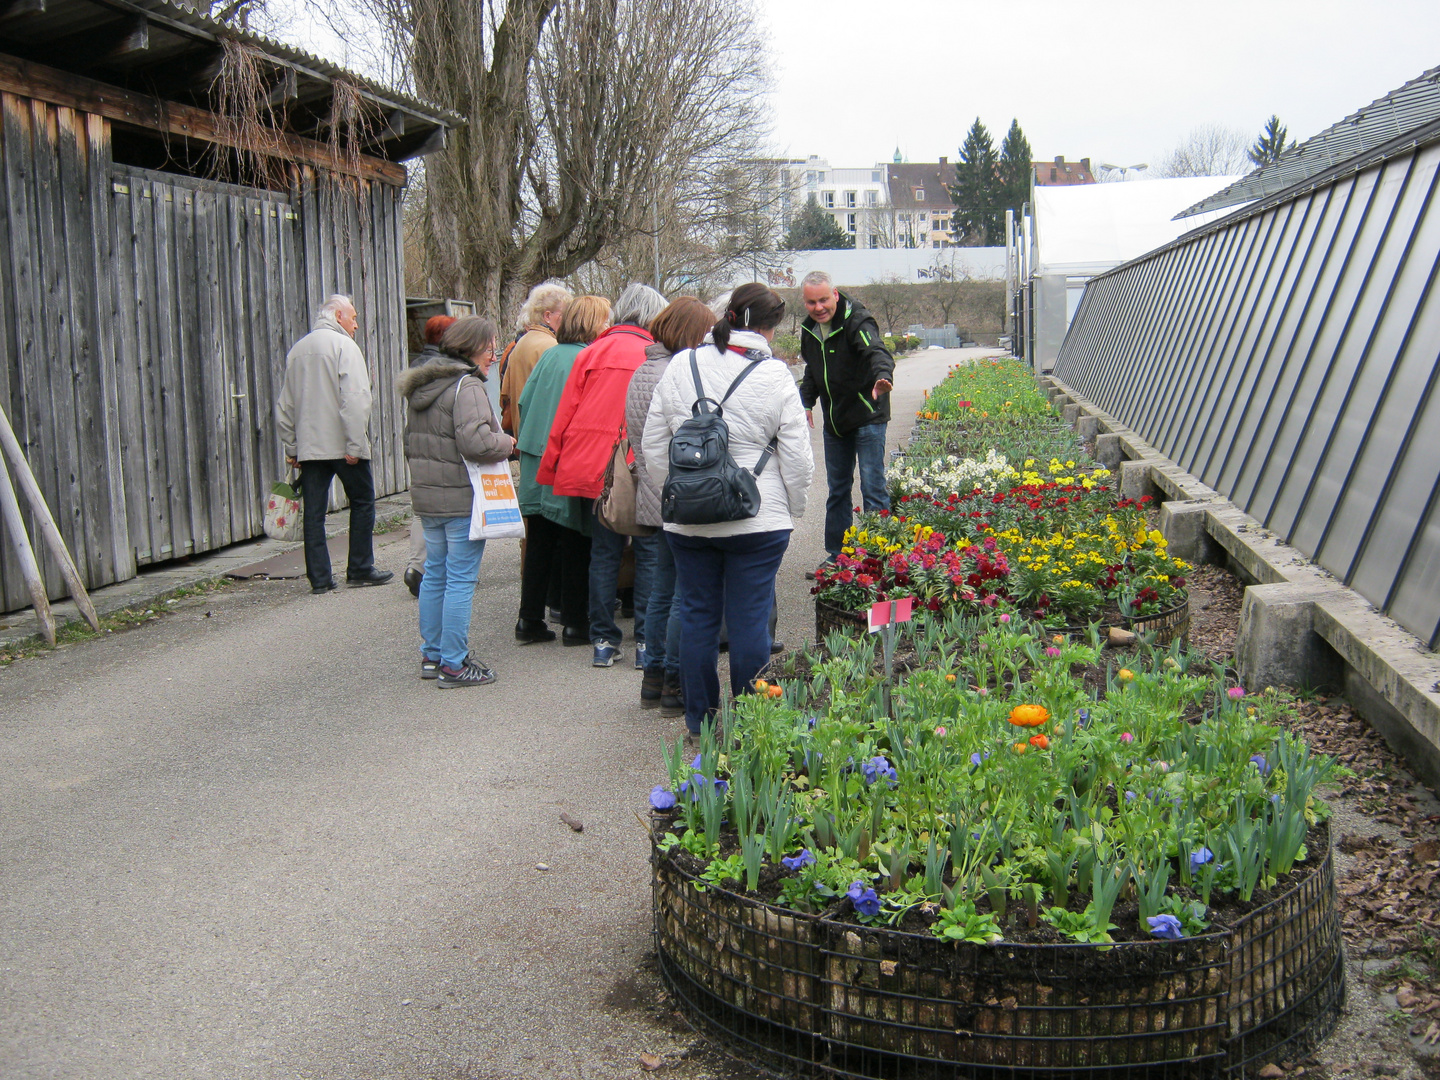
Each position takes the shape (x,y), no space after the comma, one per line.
(1271,143)
(978,217)
(812,229)
(1014,171)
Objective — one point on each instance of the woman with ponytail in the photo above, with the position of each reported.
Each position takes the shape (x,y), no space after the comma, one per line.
(727,571)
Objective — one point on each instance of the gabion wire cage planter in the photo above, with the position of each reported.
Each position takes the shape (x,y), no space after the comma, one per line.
(817,996)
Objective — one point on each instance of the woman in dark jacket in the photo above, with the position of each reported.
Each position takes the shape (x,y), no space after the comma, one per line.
(450,422)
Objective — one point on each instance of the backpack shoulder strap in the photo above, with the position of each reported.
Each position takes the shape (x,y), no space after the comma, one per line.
(749,367)
(701,408)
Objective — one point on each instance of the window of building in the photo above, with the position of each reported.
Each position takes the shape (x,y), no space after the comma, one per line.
(850,222)
(829,200)
(870,197)
(905,219)
(849,198)
(934,243)
(874,241)
(822,177)
(875,177)
(924,214)
(919,194)
(810,177)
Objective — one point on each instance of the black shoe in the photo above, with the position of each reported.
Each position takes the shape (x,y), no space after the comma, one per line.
(374,577)
(472,674)
(672,703)
(533,631)
(329,586)
(429,669)
(828,564)
(412,582)
(776,647)
(575,635)
(651,685)
(724,646)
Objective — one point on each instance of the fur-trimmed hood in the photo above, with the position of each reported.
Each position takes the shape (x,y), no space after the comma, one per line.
(424,384)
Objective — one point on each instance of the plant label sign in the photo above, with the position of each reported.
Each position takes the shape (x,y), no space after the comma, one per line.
(887,612)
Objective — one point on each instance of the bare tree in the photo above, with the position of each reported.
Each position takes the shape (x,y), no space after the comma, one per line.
(1208,150)
(581,116)
(892,301)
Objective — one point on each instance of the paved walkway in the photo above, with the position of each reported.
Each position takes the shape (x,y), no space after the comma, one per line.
(246,840)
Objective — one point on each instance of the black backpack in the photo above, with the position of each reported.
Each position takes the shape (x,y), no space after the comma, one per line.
(705,486)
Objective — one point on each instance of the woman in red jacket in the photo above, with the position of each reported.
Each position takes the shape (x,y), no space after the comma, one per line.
(590,417)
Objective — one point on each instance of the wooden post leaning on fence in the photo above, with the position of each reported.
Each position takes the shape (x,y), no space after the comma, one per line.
(24,554)
(48,529)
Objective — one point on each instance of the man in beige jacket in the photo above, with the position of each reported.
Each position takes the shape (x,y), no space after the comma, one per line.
(323,417)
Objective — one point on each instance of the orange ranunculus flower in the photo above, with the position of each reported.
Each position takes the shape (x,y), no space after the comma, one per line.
(1040,741)
(1020,748)
(1029,715)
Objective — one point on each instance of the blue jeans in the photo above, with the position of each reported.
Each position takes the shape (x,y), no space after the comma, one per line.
(730,578)
(867,446)
(662,642)
(606,549)
(452,563)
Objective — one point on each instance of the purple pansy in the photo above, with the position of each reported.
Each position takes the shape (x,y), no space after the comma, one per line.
(1166,926)
(878,768)
(1200,857)
(800,861)
(661,798)
(864,898)
(1258,760)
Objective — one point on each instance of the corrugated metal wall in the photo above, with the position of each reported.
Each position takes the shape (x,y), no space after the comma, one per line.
(144,322)
(1288,357)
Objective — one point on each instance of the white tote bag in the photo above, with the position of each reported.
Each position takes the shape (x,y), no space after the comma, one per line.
(496,513)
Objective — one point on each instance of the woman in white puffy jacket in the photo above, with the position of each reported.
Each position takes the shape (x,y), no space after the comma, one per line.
(727,571)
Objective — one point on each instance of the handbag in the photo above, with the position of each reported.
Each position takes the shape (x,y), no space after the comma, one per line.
(616,506)
(495,514)
(284,511)
(495,510)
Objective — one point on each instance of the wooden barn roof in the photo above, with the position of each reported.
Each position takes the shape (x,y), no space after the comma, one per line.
(167,52)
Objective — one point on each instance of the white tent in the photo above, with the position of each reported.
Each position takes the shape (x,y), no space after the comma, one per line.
(1086,229)
(1090,228)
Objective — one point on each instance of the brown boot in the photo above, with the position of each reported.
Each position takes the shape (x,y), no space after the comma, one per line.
(651,684)
(672,702)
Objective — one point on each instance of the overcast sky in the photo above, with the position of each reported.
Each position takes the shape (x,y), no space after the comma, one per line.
(1114,80)
(1120,81)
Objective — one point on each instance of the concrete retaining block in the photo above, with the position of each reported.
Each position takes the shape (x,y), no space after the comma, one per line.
(1087,427)
(1071,413)
(1184,526)
(1109,451)
(1278,645)
(1135,481)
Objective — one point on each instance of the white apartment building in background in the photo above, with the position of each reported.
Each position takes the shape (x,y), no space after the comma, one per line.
(858,199)
(886,205)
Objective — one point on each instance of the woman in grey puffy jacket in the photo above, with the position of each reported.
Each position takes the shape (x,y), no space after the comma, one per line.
(450,422)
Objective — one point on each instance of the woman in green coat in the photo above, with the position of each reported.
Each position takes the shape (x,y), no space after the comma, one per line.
(557,527)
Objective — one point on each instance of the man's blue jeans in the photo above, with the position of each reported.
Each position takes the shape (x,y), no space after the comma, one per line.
(606,548)
(662,625)
(452,563)
(867,446)
(730,578)
(315,477)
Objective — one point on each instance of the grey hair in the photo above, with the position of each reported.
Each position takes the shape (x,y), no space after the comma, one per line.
(547,296)
(336,303)
(638,304)
(720,303)
(817,277)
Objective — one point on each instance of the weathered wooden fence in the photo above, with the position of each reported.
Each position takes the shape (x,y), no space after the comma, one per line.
(144,322)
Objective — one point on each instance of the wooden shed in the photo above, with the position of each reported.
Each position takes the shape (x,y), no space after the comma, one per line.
(147,304)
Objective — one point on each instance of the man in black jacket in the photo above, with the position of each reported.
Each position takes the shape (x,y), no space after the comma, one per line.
(849,371)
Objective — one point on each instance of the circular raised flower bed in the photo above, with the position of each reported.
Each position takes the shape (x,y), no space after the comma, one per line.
(789,990)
